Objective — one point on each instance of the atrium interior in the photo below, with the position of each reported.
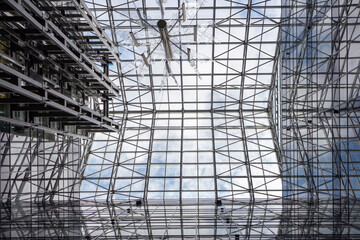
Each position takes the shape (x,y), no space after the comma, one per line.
(179,119)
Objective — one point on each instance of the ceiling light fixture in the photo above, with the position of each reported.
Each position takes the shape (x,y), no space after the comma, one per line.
(163,33)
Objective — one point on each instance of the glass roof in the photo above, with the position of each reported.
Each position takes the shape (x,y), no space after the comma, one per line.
(237,120)
(196,124)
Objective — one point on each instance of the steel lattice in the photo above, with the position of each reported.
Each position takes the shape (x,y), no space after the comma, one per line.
(249,129)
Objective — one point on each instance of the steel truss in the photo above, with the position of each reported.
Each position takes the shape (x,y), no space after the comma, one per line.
(259,141)
(166,219)
(318,92)
(48,72)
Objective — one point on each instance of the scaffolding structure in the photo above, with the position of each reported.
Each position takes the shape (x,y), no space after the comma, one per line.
(196,119)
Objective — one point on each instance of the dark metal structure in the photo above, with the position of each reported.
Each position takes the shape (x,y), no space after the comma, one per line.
(250,130)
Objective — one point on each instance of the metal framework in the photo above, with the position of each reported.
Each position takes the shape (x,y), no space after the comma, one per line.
(208,119)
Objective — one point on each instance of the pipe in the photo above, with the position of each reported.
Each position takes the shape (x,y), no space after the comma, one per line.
(165,38)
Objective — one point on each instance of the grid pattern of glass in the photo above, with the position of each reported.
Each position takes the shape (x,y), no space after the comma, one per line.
(320,102)
(39,167)
(319,119)
(192,128)
(239,119)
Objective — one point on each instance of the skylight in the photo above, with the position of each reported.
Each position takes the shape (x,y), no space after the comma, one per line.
(192,126)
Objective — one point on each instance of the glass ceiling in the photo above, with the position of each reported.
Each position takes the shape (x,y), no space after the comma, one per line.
(195,125)
(239,119)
